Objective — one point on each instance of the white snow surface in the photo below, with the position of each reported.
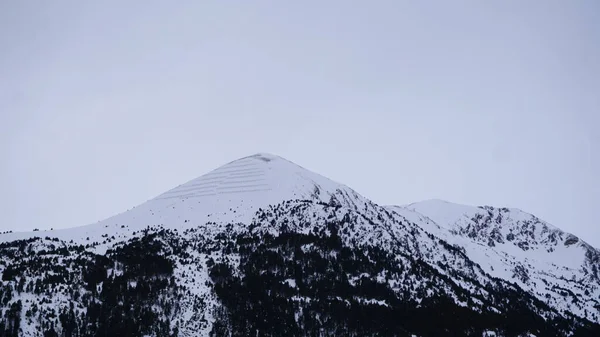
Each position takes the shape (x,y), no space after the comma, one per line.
(556,264)
(551,264)
(230,193)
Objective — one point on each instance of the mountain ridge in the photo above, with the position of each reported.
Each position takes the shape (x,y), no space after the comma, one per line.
(213,233)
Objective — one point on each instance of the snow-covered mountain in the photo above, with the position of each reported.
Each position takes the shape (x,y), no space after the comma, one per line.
(230,193)
(557,267)
(262,246)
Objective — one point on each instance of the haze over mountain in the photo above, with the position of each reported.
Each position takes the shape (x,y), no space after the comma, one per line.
(263,246)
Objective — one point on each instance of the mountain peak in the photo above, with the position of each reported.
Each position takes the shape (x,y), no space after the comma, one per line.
(254,177)
(231,193)
(234,192)
(266,157)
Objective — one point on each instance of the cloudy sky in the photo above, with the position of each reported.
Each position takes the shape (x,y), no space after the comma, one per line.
(104,105)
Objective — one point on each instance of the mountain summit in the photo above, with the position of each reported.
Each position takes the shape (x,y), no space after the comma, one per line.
(230,193)
(262,246)
(249,183)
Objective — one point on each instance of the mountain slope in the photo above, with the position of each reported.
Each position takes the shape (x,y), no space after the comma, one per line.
(262,246)
(559,268)
(230,193)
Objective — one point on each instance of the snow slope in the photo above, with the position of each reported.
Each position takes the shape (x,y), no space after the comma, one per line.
(559,268)
(230,193)
(509,244)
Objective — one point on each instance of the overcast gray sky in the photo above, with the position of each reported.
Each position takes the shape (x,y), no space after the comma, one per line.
(105,104)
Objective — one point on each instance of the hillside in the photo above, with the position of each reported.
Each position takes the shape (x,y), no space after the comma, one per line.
(262,246)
